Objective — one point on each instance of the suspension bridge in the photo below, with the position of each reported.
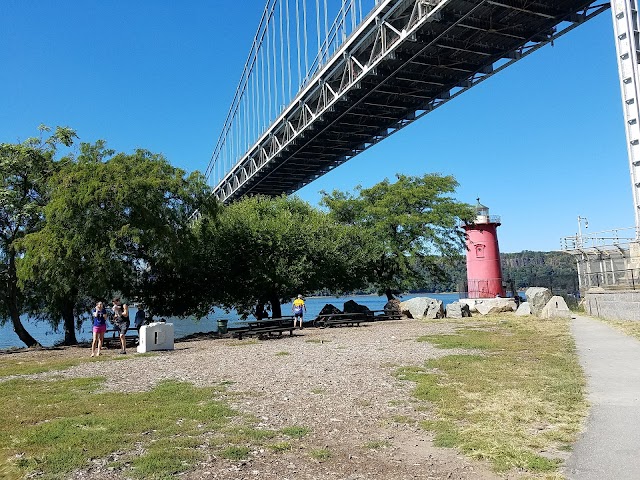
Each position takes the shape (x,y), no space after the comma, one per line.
(327,79)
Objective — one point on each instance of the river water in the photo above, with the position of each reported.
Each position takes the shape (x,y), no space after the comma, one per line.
(42,332)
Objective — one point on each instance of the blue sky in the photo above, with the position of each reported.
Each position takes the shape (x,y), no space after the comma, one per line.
(540,143)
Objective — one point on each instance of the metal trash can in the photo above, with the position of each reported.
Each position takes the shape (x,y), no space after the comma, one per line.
(222,326)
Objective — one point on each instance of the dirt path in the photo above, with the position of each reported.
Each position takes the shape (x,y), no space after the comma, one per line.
(337,382)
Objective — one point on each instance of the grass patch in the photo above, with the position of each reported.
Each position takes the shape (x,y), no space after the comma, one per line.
(56,426)
(235,453)
(318,391)
(320,454)
(282,354)
(53,427)
(16,365)
(377,444)
(280,447)
(627,327)
(317,340)
(295,431)
(521,394)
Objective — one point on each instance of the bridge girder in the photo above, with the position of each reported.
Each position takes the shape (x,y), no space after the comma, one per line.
(406,59)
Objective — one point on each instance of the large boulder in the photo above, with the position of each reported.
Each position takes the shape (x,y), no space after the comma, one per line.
(537,298)
(471,303)
(329,309)
(458,310)
(496,305)
(392,307)
(524,309)
(416,307)
(556,307)
(352,307)
(435,309)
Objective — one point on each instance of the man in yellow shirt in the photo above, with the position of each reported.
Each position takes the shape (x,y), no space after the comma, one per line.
(298,310)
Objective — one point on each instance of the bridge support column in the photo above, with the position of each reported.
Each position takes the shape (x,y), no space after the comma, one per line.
(627,40)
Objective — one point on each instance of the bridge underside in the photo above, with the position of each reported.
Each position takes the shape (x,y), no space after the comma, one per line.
(407,58)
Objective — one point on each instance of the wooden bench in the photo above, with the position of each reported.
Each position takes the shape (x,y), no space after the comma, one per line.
(266,327)
(341,319)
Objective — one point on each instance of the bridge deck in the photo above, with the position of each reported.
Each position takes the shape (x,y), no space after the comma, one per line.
(406,59)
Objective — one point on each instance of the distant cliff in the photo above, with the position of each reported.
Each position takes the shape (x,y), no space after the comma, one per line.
(555,270)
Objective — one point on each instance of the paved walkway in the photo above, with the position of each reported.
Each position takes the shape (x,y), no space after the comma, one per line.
(609,448)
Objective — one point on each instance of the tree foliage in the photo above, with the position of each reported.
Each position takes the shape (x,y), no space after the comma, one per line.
(24,171)
(114,223)
(267,250)
(415,221)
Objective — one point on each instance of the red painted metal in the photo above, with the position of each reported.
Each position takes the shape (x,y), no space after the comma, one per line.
(484,272)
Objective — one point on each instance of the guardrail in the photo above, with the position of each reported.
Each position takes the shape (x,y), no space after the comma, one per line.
(626,278)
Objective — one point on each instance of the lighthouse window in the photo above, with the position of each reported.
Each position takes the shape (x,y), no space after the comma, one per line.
(479,250)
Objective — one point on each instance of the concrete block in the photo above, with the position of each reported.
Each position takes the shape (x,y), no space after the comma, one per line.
(156,336)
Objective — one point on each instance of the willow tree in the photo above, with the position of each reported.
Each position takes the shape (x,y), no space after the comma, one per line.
(415,219)
(113,221)
(24,172)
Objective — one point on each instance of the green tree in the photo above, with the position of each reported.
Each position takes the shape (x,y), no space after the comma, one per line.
(267,250)
(24,170)
(112,222)
(415,220)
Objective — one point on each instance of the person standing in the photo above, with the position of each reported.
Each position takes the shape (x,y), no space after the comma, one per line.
(298,310)
(121,321)
(140,318)
(99,327)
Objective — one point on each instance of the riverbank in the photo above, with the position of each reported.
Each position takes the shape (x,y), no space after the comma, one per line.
(184,327)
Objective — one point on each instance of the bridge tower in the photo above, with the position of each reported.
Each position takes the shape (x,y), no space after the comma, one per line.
(627,40)
(484,272)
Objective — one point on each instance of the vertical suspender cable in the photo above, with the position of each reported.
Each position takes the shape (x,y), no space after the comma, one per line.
(326,30)
(353,15)
(264,114)
(276,109)
(318,32)
(289,52)
(298,41)
(285,100)
(361,15)
(306,50)
(267,55)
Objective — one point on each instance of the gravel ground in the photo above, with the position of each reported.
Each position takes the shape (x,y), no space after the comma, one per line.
(338,382)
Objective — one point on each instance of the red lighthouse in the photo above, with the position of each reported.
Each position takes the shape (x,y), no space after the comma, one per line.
(484,272)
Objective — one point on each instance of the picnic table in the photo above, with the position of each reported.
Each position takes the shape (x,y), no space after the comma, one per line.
(132,334)
(341,319)
(385,315)
(266,327)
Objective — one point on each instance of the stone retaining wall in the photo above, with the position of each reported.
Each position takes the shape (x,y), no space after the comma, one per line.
(616,305)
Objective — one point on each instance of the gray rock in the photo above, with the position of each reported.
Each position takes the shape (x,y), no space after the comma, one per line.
(471,303)
(537,297)
(556,307)
(489,306)
(393,307)
(416,307)
(435,310)
(458,310)
(524,309)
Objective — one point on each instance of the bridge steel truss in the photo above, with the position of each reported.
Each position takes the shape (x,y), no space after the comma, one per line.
(405,59)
